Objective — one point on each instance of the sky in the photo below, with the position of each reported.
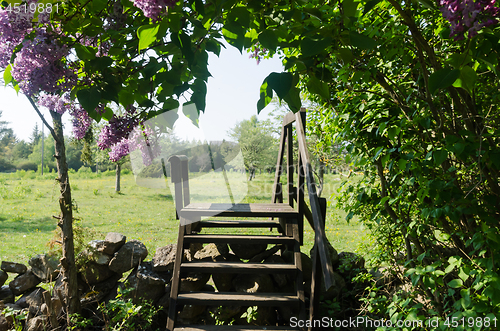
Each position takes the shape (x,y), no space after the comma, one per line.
(232,95)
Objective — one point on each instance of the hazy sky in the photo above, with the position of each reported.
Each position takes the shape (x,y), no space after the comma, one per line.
(232,96)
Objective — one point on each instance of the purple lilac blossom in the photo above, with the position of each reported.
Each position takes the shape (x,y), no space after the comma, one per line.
(469,16)
(38,65)
(81,122)
(153,8)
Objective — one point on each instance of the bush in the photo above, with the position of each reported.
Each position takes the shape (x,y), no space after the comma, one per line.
(6,166)
(27,165)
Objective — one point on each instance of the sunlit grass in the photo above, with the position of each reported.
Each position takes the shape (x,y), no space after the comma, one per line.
(145,212)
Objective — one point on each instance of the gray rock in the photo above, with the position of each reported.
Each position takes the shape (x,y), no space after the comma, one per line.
(338,285)
(253,283)
(247,251)
(24,283)
(92,253)
(194,281)
(34,300)
(306,263)
(44,267)
(3,277)
(93,273)
(113,242)
(224,281)
(96,293)
(16,268)
(280,279)
(128,257)
(164,301)
(213,251)
(6,323)
(146,284)
(6,294)
(334,256)
(164,258)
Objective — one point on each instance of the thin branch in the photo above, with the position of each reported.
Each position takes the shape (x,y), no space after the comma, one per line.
(52,132)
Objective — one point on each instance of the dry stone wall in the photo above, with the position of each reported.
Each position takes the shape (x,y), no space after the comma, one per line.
(113,264)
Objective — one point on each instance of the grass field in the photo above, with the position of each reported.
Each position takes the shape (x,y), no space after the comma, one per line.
(143,210)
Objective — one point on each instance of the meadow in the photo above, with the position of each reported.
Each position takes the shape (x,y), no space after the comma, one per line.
(143,210)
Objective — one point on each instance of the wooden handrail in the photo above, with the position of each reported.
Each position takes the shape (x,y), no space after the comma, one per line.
(319,231)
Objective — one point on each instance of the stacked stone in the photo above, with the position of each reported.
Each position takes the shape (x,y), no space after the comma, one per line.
(104,263)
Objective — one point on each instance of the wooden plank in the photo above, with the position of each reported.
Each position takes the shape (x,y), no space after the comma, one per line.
(239,267)
(240,299)
(233,328)
(230,239)
(315,207)
(289,118)
(194,210)
(279,166)
(239,224)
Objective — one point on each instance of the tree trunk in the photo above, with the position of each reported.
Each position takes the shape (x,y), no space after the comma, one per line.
(66,221)
(118,174)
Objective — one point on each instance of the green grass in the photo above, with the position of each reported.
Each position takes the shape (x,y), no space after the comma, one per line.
(145,212)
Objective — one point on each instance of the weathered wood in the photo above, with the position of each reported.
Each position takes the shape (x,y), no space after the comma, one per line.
(315,207)
(174,289)
(288,119)
(239,210)
(240,299)
(239,267)
(237,239)
(239,224)
(50,310)
(279,168)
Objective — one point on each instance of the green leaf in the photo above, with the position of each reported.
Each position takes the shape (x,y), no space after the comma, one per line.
(310,47)
(345,55)
(213,46)
(350,7)
(455,283)
(315,86)
(281,83)
(439,156)
(126,98)
(108,114)
(268,39)
(442,78)
(293,99)
(361,41)
(84,52)
(369,5)
(89,99)
(7,76)
(147,35)
(467,79)
(266,95)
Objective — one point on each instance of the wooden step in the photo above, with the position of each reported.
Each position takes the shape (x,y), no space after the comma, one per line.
(232,328)
(240,299)
(237,239)
(195,210)
(238,224)
(239,267)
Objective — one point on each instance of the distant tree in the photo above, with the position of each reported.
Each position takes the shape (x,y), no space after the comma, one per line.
(22,150)
(7,139)
(35,137)
(257,144)
(48,155)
